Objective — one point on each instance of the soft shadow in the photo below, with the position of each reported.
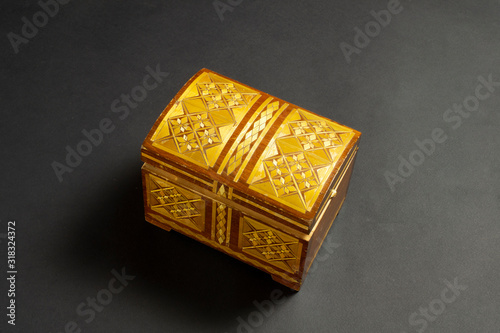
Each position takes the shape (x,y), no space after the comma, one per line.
(175,275)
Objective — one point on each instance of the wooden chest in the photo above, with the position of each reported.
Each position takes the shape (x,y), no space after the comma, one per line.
(248,174)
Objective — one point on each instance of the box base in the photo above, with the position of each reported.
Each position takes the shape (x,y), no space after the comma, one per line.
(286,256)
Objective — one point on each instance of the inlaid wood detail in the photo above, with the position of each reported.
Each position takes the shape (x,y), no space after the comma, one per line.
(294,167)
(203,119)
(247,173)
(268,244)
(176,203)
(292,281)
(222,218)
(251,136)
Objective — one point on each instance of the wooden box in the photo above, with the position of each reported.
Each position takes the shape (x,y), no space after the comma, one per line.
(248,174)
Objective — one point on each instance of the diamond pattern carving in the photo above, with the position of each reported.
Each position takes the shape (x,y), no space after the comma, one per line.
(221,217)
(176,203)
(202,120)
(269,244)
(251,137)
(294,167)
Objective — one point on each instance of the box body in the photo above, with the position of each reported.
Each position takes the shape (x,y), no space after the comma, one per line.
(247,173)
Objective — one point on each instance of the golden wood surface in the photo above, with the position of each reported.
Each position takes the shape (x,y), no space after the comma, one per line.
(247,173)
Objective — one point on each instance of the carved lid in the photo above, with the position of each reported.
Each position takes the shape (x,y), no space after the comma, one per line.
(272,152)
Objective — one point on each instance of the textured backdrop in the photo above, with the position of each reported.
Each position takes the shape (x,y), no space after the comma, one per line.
(416,246)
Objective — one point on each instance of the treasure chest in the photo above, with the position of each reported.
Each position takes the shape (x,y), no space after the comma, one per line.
(248,174)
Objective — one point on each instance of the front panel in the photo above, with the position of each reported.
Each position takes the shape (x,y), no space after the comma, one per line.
(171,205)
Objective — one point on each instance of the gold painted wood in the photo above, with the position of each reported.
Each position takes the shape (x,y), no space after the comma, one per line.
(296,164)
(247,173)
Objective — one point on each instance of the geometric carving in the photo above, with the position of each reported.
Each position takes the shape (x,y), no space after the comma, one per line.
(176,203)
(223,149)
(271,245)
(202,120)
(294,168)
(251,136)
(222,216)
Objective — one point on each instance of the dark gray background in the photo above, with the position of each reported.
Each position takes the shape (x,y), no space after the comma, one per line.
(392,252)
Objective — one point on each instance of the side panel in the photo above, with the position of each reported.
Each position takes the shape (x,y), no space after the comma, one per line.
(329,212)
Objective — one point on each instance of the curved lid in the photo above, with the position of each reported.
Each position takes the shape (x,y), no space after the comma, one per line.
(274,152)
